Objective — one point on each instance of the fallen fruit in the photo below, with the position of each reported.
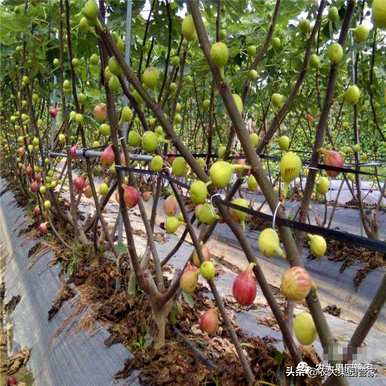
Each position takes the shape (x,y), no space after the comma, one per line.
(304,328)
(296,284)
(209,321)
(244,287)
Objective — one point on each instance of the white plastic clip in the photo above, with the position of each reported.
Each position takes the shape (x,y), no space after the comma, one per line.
(274,215)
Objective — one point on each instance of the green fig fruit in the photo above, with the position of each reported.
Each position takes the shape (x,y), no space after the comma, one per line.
(198,192)
(304,328)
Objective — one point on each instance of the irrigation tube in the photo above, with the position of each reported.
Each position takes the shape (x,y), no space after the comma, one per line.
(84,153)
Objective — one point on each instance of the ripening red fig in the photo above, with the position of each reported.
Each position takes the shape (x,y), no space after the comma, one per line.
(43,228)
(36,211)
(72,151)
(209,321)
(170,206)
(100,112)
(34,186)
(29,170)
(333,158)
(107,156)
(53,111)
(11,381)
(296,284)
(79,184)
(188,280)
(130,196)
(244,287)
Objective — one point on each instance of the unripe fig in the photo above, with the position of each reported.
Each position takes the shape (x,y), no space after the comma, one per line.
(207,270)
(198,192)
(188,29)
(90,9)
(356,148)
(305,26)
(315,61)
(269,243)
(177,118)
(221,173)
(149,141)
(239,215)
(94,59)
(82,98)
(114,84)
(56,62)
(150,77)
(379,13)
(156,163)
(276,43)
(179,167)
(352,95)
(105,129)
(79,118)
(47,204)
(83,25)
(333,15)
(75,62)
(322,185)
(134,139)
(251,51)
(189,279)
(206,214)
(103,189)
(219,54)
(278,100)
(170,206)
(238,102)
(284,142)
(114,66)
(296,284)
(318,245)
(304,328)
(206,104)
(209,321)
(254,139)
(244,287)
(171,224)
(335,53)
(253,75)
(361,33)
(290,165)
(252,183)
(42,190)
